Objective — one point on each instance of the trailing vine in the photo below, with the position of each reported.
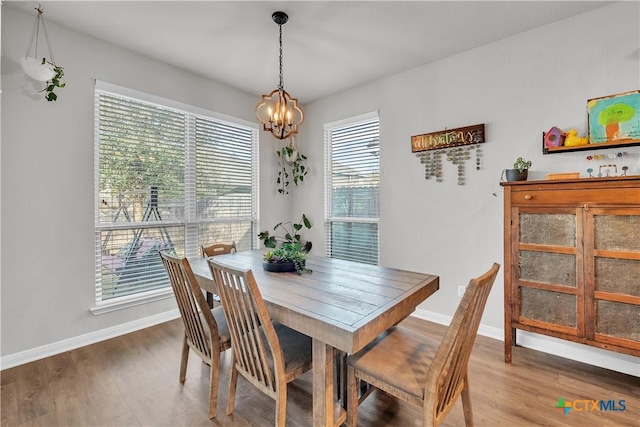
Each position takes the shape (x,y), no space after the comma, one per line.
(291,164)
(56,81)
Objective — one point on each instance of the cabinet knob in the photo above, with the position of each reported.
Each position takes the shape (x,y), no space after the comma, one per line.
(528,197)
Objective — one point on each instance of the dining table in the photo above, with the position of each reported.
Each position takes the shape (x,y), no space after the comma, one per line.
(342,305)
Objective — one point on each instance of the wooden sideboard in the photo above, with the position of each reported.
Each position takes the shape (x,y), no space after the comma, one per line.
(572,261)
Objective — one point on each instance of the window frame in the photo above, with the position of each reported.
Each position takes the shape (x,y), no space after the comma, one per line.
(190,222)
(328,196)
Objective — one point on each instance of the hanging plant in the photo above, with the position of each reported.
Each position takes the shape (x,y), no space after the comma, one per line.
(291,164)
(42,70)
(54,82)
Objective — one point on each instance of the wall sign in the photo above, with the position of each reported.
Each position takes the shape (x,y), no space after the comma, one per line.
(448,138)
(455,145)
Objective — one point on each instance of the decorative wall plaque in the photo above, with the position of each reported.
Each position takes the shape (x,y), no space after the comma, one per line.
(448,138)
(455,144)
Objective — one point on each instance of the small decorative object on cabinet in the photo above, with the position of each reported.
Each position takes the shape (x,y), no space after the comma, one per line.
(572,261)
(520,170)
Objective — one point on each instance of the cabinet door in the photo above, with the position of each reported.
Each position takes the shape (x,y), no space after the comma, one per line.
(612,250)
(549,269)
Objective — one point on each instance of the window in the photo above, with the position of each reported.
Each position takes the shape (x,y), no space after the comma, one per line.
(352,196)
(168,177)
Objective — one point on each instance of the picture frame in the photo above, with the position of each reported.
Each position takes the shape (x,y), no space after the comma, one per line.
(614,119)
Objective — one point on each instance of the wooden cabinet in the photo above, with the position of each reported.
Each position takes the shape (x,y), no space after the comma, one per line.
(572,261)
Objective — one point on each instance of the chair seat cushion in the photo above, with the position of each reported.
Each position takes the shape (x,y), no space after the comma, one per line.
(296,348)
(398,357)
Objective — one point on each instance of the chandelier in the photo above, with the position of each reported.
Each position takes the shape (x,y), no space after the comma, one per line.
(278,112)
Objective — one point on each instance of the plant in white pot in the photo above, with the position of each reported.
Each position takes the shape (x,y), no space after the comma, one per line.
(40,68)
(291,163)
(520,170)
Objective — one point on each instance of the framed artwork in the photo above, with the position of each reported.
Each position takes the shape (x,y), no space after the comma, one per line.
(614,118)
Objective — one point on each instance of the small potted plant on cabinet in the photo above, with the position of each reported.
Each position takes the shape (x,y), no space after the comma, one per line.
(292,253)
(520,170)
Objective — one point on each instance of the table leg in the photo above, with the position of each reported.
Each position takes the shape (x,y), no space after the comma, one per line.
(326,411)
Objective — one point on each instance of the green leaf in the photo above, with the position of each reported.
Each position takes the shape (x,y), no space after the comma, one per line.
(306,221)
(270,242)
(50,88)
(297,226)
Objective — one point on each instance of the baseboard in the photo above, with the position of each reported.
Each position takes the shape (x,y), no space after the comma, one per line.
(618,362)
(47,350)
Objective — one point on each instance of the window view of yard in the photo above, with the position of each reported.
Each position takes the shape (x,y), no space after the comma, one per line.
(167,180)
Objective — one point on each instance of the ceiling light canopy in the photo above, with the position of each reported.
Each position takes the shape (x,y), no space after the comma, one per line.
(278,112)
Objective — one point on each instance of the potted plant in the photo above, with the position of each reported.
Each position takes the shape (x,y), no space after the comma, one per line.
(290,158)
(520,170)
(292,253)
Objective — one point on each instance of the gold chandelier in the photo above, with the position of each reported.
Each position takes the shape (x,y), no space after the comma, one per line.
(278,112)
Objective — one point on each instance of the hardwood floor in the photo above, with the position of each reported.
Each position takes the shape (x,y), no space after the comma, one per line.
(133,381)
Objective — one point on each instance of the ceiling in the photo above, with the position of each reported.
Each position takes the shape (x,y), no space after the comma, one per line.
(329,46)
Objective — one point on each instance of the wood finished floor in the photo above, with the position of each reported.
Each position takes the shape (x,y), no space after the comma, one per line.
(133,381)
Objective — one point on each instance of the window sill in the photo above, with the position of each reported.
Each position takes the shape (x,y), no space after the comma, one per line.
(131,301)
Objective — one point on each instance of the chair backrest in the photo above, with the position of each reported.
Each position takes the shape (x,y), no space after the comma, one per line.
(200,326)
(218,249)
(256,347)
(448,372)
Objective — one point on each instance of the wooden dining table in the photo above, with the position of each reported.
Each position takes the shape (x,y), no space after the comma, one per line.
(341,305)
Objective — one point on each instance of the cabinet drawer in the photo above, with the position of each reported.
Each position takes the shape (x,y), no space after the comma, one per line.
(579,197)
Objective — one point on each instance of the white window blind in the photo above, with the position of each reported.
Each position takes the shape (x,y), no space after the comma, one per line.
(352,177)
(168,177)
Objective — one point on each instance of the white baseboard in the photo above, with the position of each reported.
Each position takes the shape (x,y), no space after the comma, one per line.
(618,362)
(47,350)
(594,356)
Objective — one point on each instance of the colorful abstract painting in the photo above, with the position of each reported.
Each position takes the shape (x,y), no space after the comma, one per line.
(614,118)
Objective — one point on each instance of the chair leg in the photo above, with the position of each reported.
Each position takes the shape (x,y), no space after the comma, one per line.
(213,386)
(352,398)
(185,359)
(466,403)
(281,407)
(233,382)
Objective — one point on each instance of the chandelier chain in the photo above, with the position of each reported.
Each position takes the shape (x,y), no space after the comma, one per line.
(281,86)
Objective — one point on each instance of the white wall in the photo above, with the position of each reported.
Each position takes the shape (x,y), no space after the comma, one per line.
(47,274)
(518,87)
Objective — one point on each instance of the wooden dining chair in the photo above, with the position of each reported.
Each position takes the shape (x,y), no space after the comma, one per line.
(205,330)
(213,250)
(267,354)
(419,370)
(218,249)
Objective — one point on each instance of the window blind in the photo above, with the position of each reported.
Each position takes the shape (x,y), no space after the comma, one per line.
(167,178)
(352,202)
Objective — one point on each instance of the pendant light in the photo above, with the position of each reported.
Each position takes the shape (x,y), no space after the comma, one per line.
(278,112)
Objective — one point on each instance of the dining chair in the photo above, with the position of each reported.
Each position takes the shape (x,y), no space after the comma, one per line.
(205,330)
(213,250)
(267,354)
(419,370)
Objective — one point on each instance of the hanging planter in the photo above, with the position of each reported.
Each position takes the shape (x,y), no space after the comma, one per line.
(40,68)
(36,69)
(291,163)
